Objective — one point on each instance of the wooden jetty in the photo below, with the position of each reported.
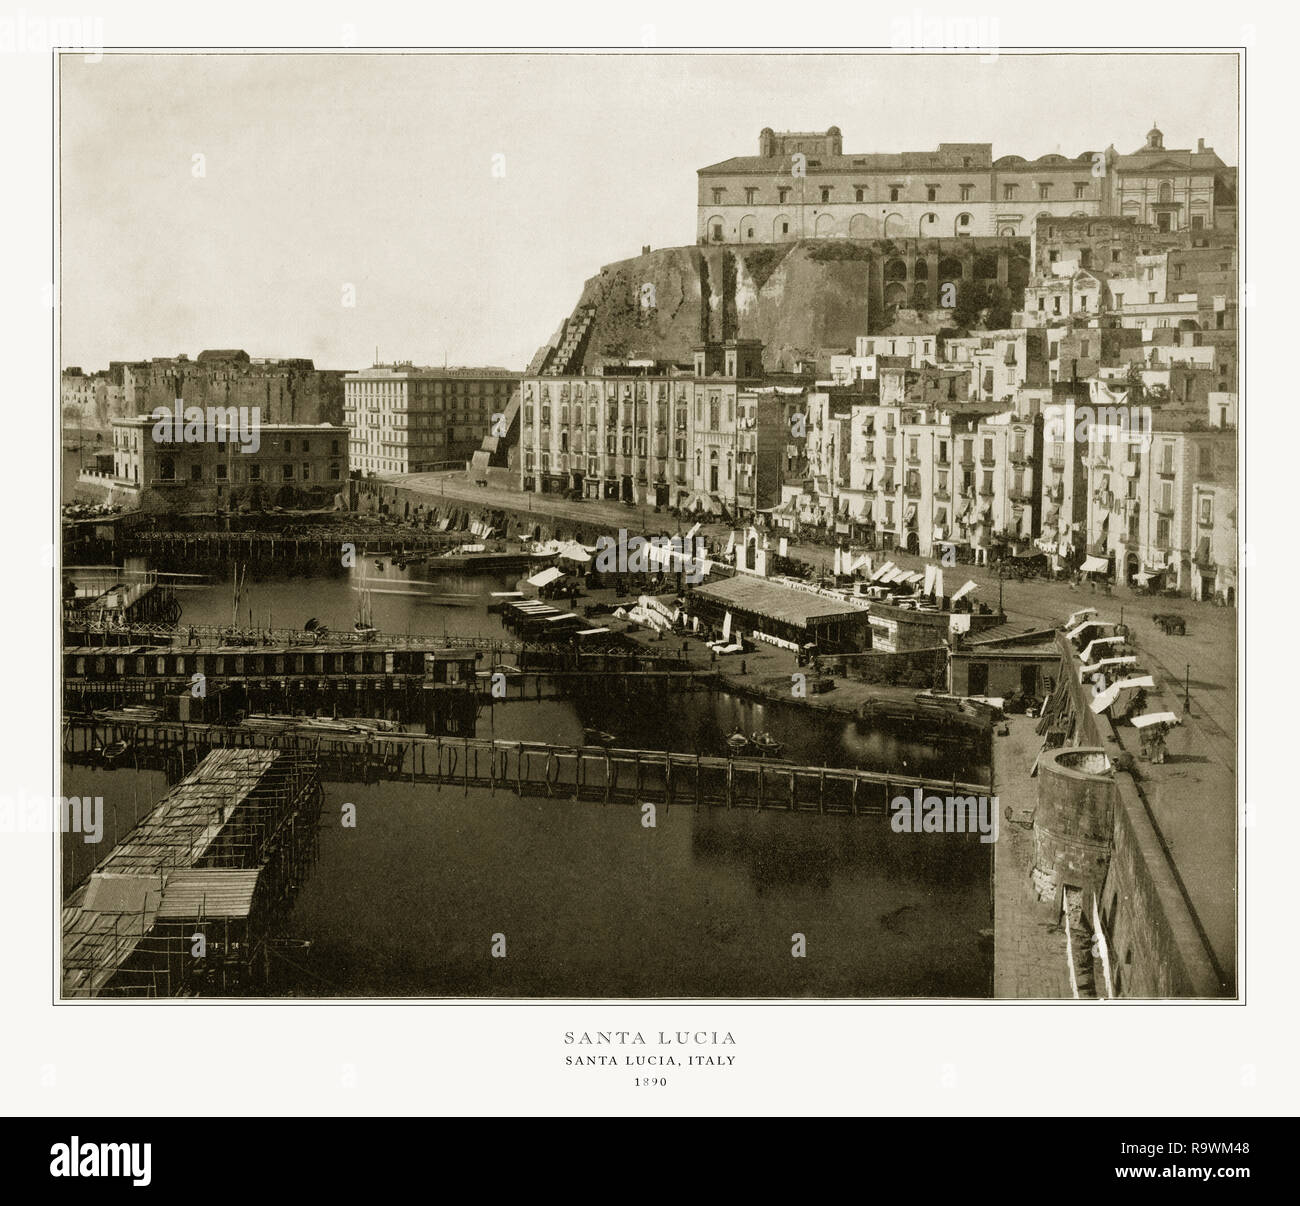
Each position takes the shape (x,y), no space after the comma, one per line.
(594,773)
(317,546)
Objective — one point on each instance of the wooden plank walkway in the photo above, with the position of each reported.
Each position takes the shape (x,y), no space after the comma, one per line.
(595,773)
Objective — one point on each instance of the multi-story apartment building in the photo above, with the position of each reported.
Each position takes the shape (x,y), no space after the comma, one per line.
(803,186)
(1214,561)
(1001,363)
(1064,498)
(1141,487)
(287,465)
(870,351)
(713,435)
(406,419)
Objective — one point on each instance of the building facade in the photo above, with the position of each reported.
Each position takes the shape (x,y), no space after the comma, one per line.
(660,434)
(295,466)
(406,419)
(803,186)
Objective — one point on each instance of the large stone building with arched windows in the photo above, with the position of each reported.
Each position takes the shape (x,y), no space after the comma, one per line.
(803,186)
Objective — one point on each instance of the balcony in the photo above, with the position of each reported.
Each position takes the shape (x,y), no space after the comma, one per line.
(1167,469)
(1165,509)
(1019,456)
(942,495)
(1020,496)
(986,492)
(1056,462)
(912,490)
(913,458)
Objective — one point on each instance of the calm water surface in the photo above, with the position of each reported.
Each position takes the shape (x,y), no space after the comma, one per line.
(591,903)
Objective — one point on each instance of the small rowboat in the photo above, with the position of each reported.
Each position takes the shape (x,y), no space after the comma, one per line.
(113,751)
(765,743)
(598,737)
(737,743)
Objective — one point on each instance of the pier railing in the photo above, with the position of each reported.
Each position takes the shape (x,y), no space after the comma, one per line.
(595,773)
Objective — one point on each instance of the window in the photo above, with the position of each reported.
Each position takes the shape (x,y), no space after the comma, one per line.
(785,227)
(1044,192)
(782,194)
(287,472)
(255,473)
(221,473)
(166,470)
(1119,301)
(334,447)
(751,194)
(967,190)
(932,192)
(1114,255)
(306,471)
(894,193)
(1009,192)
(335,473)
(858,194)
(1207,509)
(717,196)
(1198,222)
(1080,191)
(964,220)
(1151,297)
(196,473)
(826,194)
(715,232)
(306,446)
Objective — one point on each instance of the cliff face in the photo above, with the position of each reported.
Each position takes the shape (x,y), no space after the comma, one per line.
(804,300)
(794,297)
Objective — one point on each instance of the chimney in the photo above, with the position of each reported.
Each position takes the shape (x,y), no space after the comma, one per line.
(1200,145)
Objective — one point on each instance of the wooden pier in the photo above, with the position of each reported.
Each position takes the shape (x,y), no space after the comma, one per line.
(594,773)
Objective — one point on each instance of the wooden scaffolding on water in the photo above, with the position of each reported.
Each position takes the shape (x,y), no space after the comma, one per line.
(190,900)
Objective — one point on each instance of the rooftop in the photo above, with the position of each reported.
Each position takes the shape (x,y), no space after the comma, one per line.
(781,603)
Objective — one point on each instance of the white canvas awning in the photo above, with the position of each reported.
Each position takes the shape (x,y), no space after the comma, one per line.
(573,551)
(963,591)
(546,577)
(1141,722)
(1110,640)
(1095,565)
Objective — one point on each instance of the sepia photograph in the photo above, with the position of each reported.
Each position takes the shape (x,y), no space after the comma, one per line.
(731,525)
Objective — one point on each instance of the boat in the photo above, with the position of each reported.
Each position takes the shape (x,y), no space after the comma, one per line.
(737,743)
(598,737)
(364,626)
(765,743)
(379,565)
(113,751)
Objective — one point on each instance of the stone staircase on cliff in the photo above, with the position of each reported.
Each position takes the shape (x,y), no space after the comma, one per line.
(568,352)
(494,452)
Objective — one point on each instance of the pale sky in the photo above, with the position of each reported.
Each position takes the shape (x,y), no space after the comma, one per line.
(376,171)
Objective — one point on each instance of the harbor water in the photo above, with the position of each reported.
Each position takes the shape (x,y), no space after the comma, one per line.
(587,900)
